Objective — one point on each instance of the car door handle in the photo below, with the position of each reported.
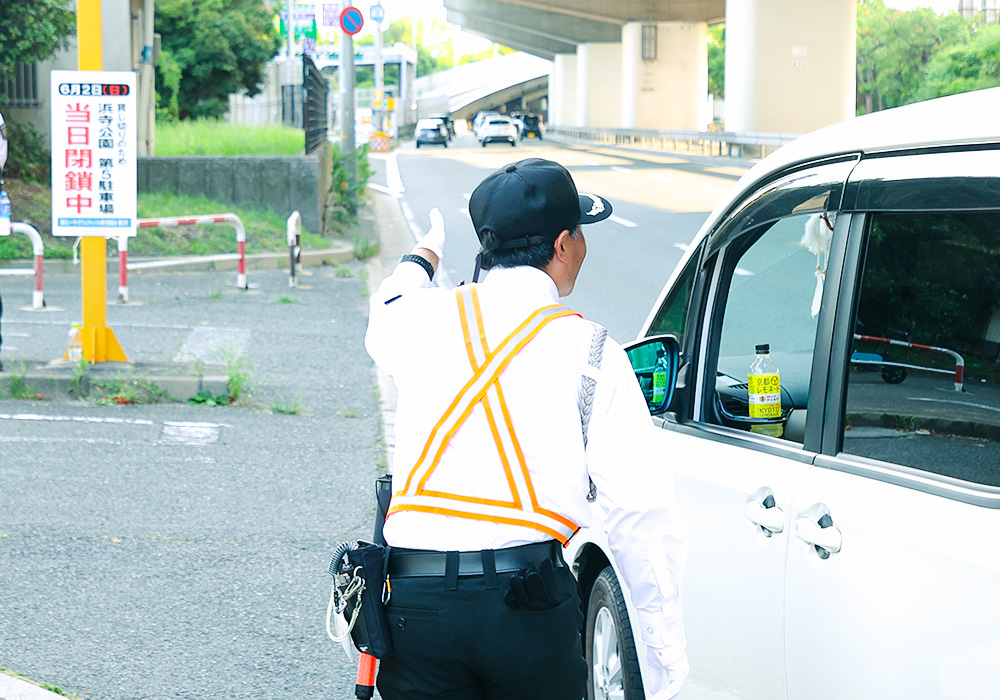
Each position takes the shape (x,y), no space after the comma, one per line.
(770,518)
(822,534)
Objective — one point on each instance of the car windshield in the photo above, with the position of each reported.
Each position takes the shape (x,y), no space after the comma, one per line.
(428,124)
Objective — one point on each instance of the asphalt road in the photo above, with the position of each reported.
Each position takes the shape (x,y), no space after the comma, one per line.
(179,551)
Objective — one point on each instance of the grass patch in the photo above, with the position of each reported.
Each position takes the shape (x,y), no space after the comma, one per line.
(18,388)
(285,299)
(348,413)
(206,137)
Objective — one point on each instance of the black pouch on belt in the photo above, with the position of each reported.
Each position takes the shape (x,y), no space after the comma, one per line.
(371,633)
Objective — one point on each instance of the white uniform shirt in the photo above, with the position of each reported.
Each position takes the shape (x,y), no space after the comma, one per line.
(417,339)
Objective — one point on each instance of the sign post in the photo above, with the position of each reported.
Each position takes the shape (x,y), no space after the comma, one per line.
(351,22)
(99,341)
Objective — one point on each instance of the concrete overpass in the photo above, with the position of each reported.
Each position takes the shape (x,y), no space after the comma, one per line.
(642,64)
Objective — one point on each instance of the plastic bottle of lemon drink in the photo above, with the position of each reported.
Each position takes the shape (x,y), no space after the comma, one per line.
(764,392)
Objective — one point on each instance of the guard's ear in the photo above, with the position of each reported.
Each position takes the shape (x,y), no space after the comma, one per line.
(560,246)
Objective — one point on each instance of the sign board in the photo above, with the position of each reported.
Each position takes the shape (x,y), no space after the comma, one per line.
(351,20)
(377,13)
(330,14)
(94,121)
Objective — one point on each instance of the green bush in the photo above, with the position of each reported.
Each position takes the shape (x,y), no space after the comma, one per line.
(28,158)
(344,197)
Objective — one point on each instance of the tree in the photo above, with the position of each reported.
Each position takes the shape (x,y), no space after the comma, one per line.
(211,49)
(33,31)
(717,61)
(970,66)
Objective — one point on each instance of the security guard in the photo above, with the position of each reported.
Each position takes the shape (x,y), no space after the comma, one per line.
(492,468)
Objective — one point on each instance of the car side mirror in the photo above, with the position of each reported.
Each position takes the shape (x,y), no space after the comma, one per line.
(655,360)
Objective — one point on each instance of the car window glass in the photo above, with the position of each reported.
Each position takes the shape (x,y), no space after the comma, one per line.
(770,296)
(924,381)
(671,317)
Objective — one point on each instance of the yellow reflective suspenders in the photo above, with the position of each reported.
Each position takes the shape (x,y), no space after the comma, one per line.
(484,388)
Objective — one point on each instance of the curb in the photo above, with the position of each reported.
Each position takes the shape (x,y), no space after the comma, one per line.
(63,379)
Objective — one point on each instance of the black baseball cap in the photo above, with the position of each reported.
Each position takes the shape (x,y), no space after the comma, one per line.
(532,201)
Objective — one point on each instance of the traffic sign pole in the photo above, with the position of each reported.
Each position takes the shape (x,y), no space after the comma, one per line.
(99,341)
(347,144)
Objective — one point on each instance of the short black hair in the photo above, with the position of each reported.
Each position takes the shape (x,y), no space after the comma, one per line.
(538,255)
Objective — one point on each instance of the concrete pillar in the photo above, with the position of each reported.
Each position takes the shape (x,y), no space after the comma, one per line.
(562,91)
(598,81)
(790,65)
(669,91)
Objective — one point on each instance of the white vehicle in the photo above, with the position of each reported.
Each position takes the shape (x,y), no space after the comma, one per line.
(857,555)
(481,118)
(498,129)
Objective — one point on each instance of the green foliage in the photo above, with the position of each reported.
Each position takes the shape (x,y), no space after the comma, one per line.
(210,137)
(365,248)
(344,196)
(28,159)
(205,398)
(219,46)
(717,61)
(905,57)
(33,31)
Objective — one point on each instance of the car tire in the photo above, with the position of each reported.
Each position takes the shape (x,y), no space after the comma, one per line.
(484,143)
(446,144)
(609,648)
(894,375)
(418,144)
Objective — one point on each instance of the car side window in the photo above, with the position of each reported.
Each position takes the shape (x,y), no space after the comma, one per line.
(923,386)
(770,289)
(672,315)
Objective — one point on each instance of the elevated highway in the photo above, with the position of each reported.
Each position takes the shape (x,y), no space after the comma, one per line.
(642,64)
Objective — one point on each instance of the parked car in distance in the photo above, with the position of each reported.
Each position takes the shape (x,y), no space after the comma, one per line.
(481,118)
(498,129)
(531,126)
(431,131)
(449,125)
(849,546)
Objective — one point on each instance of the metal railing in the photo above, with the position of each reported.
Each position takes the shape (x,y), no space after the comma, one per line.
(707,143)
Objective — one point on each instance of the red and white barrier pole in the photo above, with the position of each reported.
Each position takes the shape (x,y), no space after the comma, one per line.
(123,268)
(241,235)
(38,253)
(959,360)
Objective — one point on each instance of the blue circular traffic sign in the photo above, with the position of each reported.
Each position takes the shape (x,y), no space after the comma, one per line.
(351,20)
(377,13)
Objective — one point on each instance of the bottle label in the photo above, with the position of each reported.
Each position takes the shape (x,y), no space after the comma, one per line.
(659,386)
(764,396)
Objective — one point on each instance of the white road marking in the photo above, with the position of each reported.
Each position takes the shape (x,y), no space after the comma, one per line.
(74,419)
(681,246)
(619,169)
(385,190)
(665,178)
(189,433)
(958,403)
(622,222)
(717,190)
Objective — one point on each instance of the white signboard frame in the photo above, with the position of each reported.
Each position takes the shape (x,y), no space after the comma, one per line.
(94,171)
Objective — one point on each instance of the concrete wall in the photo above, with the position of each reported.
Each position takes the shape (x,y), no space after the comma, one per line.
(562,91)
(790,65)
(598,84)
(280,184)
(669,92)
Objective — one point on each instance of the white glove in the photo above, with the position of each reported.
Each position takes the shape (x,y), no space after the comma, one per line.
(433,240)
(667,670)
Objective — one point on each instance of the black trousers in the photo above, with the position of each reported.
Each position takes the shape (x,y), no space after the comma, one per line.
(465,643)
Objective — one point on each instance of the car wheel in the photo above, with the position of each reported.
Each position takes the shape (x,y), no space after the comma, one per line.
(446,144)
(484,143)
(893,375)
(612,662)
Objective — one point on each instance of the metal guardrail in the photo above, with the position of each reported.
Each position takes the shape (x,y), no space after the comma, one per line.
(708,143)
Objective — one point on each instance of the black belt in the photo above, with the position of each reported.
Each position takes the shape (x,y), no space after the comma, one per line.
(426,562)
